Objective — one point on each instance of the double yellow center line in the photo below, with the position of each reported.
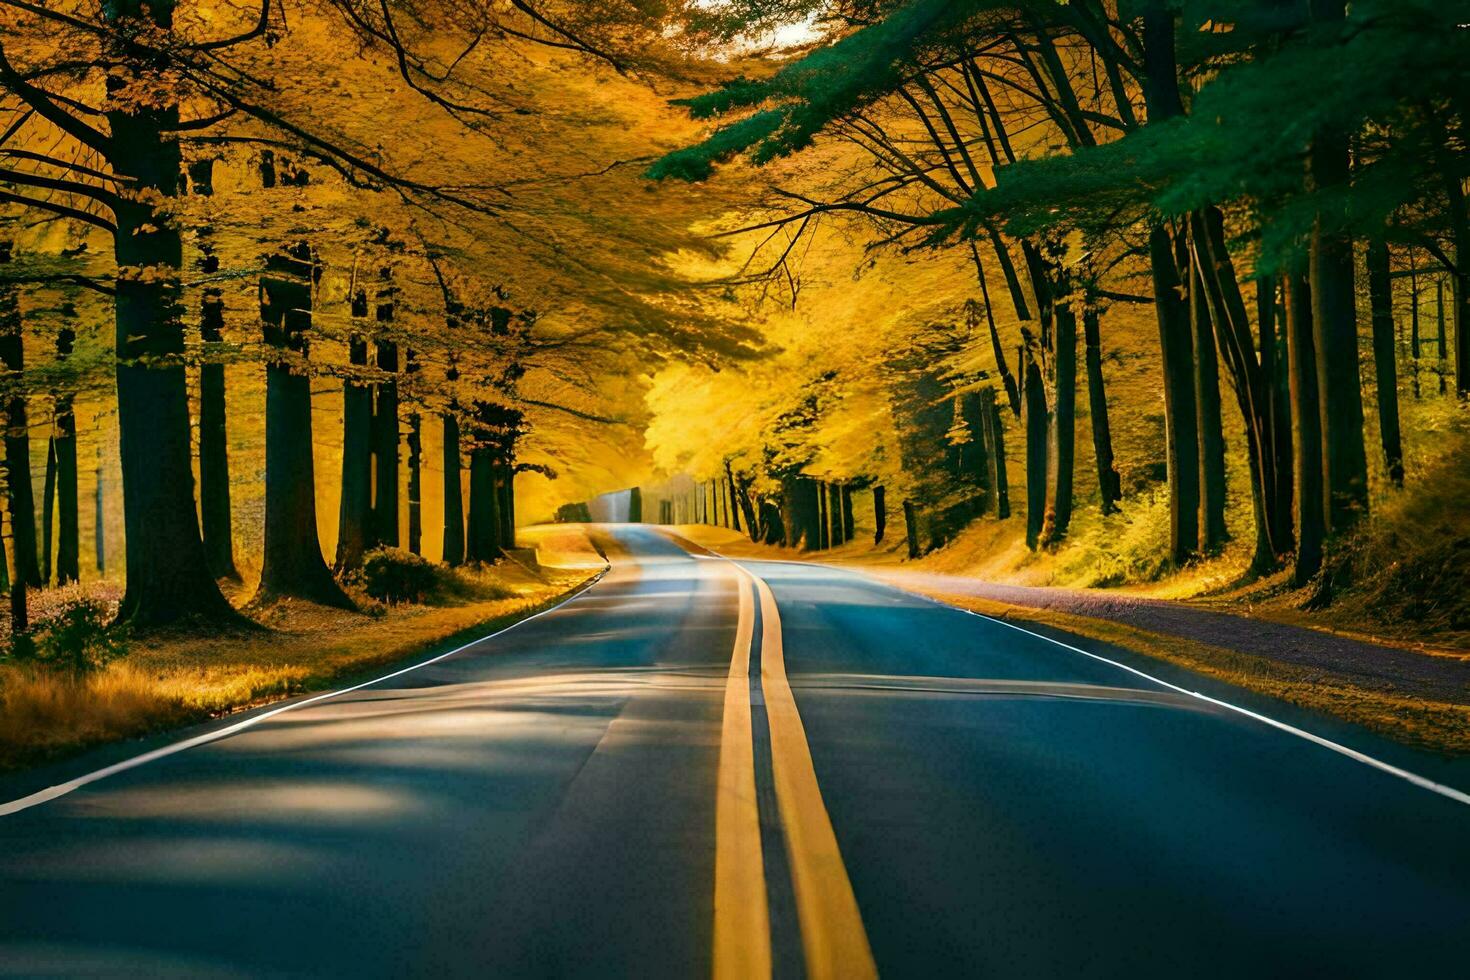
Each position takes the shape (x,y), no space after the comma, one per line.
(834,942)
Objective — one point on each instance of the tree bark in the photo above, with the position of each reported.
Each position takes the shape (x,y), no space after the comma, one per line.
(64,451)
(1181,434)
(995,431)
(1061,452)
(1459,215)
(1441,342)
(848,524)
(880,514)
(1255,382)
(911,527)
(168,576)
(1037,426)
(1301,354)
(415,484)
(292,564)
(1415,347)
(1380,297)
(802,512)
(1008,380)
(741,503)
(214,463)
(385,443)
(481,542)
(1335,322)
(355,514)
(1208,421)
(506,484)
(19,493)
(99,535)
(834,515)
(48,510)
(1109,484)
(824,526)
(453,501)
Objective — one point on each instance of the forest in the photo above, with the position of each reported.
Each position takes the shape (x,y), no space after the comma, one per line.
(1151,294)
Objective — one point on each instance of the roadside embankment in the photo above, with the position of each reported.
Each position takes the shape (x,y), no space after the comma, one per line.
(166,681)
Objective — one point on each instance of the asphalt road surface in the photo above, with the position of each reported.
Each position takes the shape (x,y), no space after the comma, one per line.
(700,768)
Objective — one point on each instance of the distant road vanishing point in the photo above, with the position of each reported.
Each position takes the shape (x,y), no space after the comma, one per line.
(744,769)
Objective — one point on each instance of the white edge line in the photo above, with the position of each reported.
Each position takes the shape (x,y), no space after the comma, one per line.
(62,789)
(1423,782)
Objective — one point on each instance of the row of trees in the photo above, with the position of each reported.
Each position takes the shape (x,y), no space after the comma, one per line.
(1233,166)
(175,157)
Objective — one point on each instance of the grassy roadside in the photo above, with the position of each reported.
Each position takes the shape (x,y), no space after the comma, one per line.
(167,682)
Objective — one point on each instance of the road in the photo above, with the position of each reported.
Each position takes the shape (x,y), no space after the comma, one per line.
(698,767)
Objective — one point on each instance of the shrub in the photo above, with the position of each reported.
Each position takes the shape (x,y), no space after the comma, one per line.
(79,638)
(393,575)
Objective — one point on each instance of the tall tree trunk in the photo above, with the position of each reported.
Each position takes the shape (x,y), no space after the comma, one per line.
(168,577)
(1037,425)
(1181,435)
(214,464)
(99,523)
(802,512)
(1061,452)
(19,493)
(1254,379)
(824,526)
(1459,215)
(1335,322)
(1207,415)
(1441,341)
(385,446)
(68,544)
(482,540)
(4,561)
(1380,297)
(506,484)
(61,476)
(292,564)
(1415,347)
(415,484)
(880,514)
(1279,482)
(415,443)
(911,527)
(20,620)
(1008,380)
(48,510)
(974,456)
(741,502)
(355,514)
(214,473)
(1301,354)
(1109,484)
(453,501)
(996,445)
(834,515)
(848,523)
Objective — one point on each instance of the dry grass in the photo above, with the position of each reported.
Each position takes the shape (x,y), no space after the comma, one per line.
(170,681)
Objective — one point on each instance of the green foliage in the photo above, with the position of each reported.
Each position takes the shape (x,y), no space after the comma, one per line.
(811,92)
(393,575)
(80,638)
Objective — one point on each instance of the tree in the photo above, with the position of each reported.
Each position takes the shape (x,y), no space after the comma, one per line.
(292,565)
